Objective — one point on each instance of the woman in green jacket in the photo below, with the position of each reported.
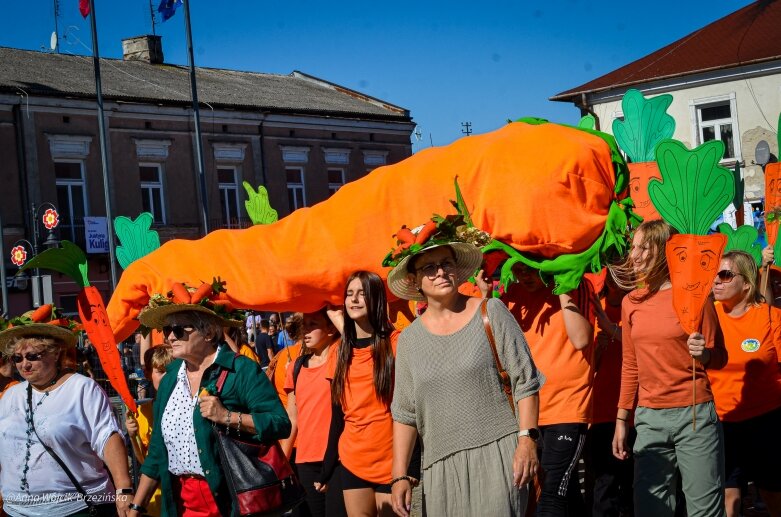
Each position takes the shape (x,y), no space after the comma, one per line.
(183,456)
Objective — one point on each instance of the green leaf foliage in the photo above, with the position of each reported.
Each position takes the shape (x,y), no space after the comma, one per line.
(588,122)
(645,124)
(742,239)
(136,238)
(460,205)
(694,189)
(258,206)
(69,260)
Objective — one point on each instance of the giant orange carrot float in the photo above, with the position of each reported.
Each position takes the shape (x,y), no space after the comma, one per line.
(71,261)
(645,124)
(543,189)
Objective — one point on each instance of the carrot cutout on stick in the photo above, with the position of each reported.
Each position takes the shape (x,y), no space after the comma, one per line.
(693,192)
(71,261)
(646,123)
(772,207)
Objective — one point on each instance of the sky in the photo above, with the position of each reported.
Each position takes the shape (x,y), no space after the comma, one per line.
(446,62)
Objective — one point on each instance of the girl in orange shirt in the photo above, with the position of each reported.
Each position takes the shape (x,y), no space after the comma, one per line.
(748,390)
(361,433)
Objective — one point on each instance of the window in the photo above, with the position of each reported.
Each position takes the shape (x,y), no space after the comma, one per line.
(229,197)
(715,123)
(296,192)
(71,199)
(372,159)
(335,180)
(715,118)
(152,190)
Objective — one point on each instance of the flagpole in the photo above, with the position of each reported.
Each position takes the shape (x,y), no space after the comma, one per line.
(197,116)
(103,152)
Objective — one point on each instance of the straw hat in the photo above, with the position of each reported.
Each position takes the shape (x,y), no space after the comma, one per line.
(44,322)
(464,240)
(180,299)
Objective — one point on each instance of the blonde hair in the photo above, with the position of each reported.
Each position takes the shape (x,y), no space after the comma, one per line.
(48,344)
(747,268)
(655,235)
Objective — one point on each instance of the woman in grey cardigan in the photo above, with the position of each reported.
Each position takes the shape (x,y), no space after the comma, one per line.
(477,456)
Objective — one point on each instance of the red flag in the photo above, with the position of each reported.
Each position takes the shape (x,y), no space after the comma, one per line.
(84,8)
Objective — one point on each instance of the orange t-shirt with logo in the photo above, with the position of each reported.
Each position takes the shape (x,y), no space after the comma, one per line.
(366,443)
(750,384)
(313,406)
(566,396)
(607,377)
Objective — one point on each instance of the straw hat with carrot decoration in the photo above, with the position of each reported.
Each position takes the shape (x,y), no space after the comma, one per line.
(208,298)
(45,321)
(453,231)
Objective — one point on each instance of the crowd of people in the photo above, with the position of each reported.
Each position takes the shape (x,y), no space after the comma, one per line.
(479,406)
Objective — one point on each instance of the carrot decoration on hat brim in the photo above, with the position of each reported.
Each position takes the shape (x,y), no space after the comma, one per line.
(693,192)
(71,261)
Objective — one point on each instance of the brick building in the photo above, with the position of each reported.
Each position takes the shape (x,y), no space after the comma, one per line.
(300,136)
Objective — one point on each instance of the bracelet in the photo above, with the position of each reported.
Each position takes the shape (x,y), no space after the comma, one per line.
(125,491)
(412,481)
(238,424)
(622,419)
(228,419)
(136,507)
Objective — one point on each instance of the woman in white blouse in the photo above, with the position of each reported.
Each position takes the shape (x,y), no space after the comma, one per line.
(66,412)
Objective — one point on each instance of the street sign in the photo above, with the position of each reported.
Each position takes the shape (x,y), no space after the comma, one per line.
(96,233)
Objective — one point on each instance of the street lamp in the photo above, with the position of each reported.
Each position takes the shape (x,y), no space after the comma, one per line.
(45,214)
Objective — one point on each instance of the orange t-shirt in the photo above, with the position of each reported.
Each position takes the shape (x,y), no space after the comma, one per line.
(247,352)
(607,378)
(566,395)
(286,359)
(12,382)
(657,368)
(366,443)
(750,384)
(313,406)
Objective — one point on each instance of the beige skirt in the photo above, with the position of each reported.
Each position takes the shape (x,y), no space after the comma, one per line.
(476,482)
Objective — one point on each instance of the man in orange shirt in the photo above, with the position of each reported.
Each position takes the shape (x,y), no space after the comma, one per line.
(560,333)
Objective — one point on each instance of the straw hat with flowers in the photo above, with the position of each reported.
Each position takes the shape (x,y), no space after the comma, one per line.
(454,231)
(45,321)
(208,298)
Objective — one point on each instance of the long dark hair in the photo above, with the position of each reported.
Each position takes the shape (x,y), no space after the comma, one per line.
(382,351)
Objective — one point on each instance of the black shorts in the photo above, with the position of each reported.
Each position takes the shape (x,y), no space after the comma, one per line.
(753,452)
(351,482)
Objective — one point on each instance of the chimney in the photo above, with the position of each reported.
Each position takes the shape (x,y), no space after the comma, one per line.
(148,49)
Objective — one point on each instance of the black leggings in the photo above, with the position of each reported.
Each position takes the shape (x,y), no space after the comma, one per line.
(317,504)
(562,445)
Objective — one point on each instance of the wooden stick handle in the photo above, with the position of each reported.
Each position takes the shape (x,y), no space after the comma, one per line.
(765,277)
(694,394)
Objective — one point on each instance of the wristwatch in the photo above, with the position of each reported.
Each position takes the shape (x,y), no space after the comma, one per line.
(532,433)
(125,491)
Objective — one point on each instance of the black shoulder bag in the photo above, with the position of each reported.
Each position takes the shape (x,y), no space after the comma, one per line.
(90,505)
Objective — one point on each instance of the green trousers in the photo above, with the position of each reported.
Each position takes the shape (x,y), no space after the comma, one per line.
(666,445)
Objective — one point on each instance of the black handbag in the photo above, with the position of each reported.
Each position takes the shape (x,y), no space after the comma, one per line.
(260,479)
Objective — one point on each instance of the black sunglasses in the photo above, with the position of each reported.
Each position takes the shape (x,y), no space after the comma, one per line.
(30,356)
(726,276)
(179,330)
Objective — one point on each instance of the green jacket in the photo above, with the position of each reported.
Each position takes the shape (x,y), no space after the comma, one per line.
(246,389)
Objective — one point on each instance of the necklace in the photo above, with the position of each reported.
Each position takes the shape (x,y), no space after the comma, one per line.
(29,414)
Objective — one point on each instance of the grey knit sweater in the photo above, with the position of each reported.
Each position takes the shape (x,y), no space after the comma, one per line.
(448,386)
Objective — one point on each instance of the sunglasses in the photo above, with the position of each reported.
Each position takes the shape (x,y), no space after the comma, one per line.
(431,270)
(30,356)
(179,330)
(726,276)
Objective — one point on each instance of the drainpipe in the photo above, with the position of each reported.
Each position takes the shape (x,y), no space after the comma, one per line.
(21,159)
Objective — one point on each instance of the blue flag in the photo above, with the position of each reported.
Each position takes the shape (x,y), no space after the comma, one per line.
(167,8)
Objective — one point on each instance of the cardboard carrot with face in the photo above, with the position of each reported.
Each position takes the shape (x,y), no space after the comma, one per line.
(773,199)
(645,124)
(71,261)
(693,191)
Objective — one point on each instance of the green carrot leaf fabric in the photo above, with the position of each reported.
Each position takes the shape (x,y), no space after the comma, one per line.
(587,122)
(136,237)
(694,189)
(258,206)
(645,124)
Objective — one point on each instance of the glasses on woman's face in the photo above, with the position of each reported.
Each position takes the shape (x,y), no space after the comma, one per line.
(726,276)
(179,330)
(30,356)
(431,270)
